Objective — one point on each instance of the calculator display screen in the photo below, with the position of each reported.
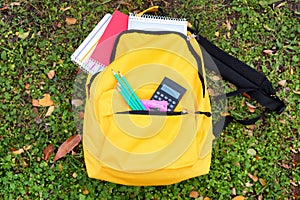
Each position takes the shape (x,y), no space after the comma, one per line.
(170,91)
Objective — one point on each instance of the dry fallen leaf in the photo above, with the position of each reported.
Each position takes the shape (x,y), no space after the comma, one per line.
(216,78)
(15,3)
(268,52)
(296,91)
(35,102)
(65,9)
(48,151)
(227,24)
(26,148)
(233,191)
(282,82)
(194,194)
(50,111)
(296,192)
(224,114)
(238,198)
(77,102)
(46,101)
(262,182)
(67,146)
(19,151)
(250,107)
(81,115)
(74,175)
(253,177)
(248,184)
(296,159)
(251,152)
(23,35)
(85,192)
(245,94)
(51,74)
(71,21)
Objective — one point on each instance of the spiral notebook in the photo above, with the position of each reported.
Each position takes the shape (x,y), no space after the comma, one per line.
(157,23)
(100,58)
(86,48)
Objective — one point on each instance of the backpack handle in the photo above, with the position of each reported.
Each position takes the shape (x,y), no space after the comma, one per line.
(151,9)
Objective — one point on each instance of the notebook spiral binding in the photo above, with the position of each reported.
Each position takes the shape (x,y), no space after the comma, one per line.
(148,17)
(92,66)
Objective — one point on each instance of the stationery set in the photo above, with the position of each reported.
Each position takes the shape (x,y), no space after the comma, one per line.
(93,54)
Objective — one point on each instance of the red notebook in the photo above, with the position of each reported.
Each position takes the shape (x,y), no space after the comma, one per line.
(100,58)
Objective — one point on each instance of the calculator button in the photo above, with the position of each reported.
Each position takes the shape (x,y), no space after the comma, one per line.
(158,92)
(171,106)
(162,95)
(155,96)
(169,100)
(169,109)
(165,98)
(173,102)
(159,99)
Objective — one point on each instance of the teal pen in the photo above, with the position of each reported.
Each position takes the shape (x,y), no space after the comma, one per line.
(141,105)
(125,93)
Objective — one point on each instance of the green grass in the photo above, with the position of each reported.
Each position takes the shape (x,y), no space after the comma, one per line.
(35,39)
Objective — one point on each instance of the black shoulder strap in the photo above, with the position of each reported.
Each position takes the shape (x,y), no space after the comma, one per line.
(243,76)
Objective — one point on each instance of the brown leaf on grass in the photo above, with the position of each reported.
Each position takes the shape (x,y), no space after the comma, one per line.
(51,74)
(19,151)
(35,102)
(224,114)
(81,115)
(227,24)
(293,150)
(77,102)
(194,194)
(67,146)
(85,191)
(296,91)
(15,3)
(50,111)
(286,166)
(262,182)
(65,9)
(238,198)
(268,52)
(71,20)
(251,152)
(248,184)
(296,159)
(48,151)
(245,94)
(253,177)
(46,101)
(250,107)
(296,192)
(293,183)
(233,191)
(27,86)
(282,82)
(5,7)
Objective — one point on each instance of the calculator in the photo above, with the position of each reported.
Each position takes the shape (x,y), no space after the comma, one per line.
(169,91)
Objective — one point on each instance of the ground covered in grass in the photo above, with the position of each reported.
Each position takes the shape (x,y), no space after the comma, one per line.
(256,162)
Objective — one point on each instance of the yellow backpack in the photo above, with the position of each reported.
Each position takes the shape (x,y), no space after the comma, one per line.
(144,147)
